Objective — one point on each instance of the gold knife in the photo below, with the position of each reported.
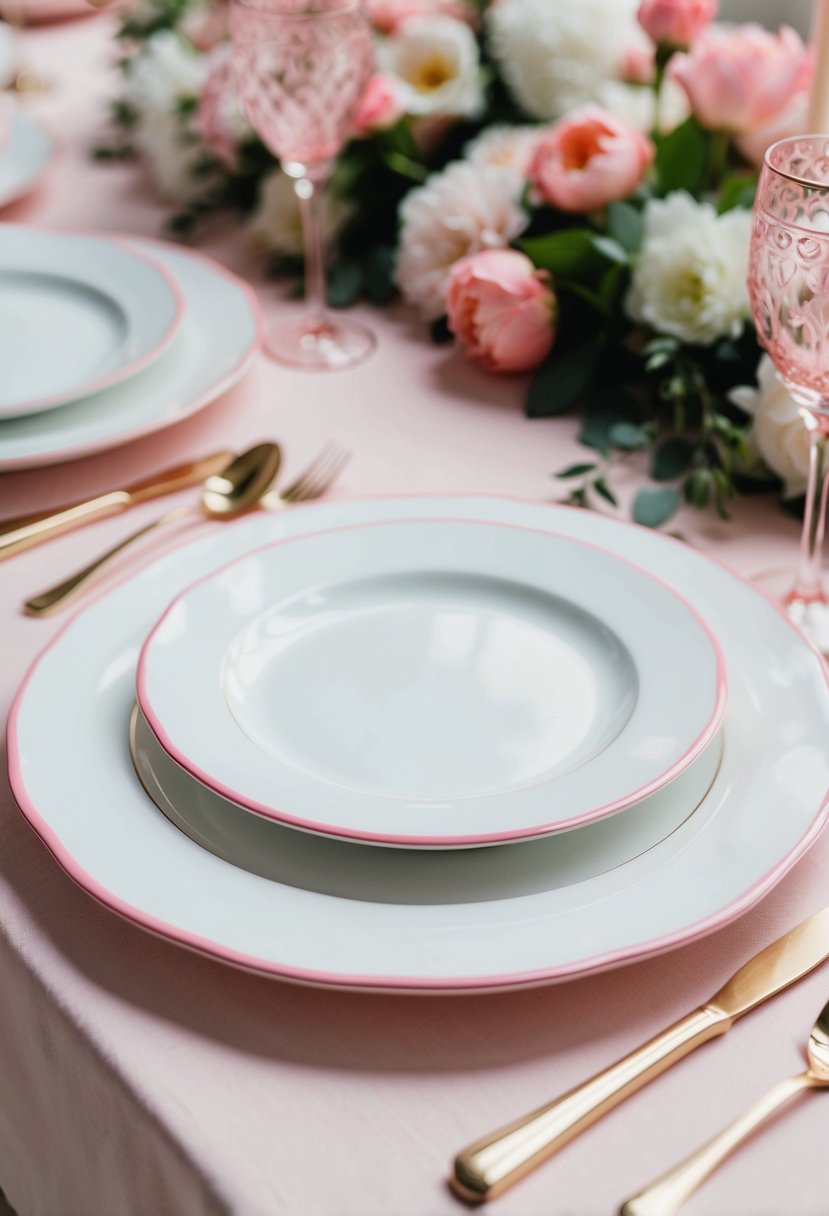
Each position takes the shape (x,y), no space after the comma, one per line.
(25,532)
(491,1165)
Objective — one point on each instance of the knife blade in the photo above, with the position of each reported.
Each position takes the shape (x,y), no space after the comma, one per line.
(17,535)
(491,1165)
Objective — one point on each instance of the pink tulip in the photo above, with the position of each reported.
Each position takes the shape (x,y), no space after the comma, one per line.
(675,23)
(742,77)
(502,309)
(589,159)
(380,107)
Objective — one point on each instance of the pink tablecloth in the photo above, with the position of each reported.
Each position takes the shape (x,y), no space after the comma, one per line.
(137,1078)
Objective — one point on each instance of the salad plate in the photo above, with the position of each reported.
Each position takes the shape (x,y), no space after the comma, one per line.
(77,313)
(25,154)
(432,683)
(215,345)
(74,782)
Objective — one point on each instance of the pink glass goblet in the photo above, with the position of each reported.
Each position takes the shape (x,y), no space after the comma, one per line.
(789,289)
(300,69)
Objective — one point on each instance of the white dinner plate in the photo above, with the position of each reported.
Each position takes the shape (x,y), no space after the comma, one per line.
(24,157)
(73,779)
(77,313)
(281,854)
(216,342)
(432,684)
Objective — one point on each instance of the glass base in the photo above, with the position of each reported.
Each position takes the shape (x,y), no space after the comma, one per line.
(320,345)
(810,616)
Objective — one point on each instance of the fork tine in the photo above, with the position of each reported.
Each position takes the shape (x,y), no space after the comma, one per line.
(296,486)
(316,485)
(318,476)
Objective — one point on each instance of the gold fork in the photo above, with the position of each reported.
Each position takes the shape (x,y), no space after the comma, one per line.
(312,483)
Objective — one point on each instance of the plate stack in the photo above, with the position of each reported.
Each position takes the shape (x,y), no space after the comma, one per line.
(431,744)
(105,339)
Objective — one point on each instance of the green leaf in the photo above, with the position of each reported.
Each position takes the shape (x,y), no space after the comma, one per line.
(671,459)
(625,224)
(698,487)
(345,281)
(654,507)
(603,489)
(628,436)
(570,251)
(737,191)
(562,379)
(611,249)
(576,470)
(681,158)
(595,432)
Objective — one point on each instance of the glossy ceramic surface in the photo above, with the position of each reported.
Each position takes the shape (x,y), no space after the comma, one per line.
(77,313)
(216,342)
(76,786)
(24,157)
(432,683)
(282,854)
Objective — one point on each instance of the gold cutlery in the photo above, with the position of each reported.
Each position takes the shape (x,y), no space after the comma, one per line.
(485,1169)
(17,535)
(313,482)
(667,1195)
(237,488)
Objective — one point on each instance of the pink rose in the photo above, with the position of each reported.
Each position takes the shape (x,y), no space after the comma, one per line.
(675,22)
(388,15)
(502,309)
(638,64)
(588,159)
(742,77)
(380,106)
(218,119)
(207,25)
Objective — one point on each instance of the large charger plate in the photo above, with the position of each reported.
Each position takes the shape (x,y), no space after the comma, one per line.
(215,345)
(72,776)
(432,683)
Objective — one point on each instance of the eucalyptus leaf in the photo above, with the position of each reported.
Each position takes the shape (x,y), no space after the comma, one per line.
(625,224)
(672,458)
(628,436)
(562,379)
(595,432)
(576,470)
(604,491)
(654,507)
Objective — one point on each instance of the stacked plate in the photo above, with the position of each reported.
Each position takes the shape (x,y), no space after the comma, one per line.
(105,339)
(433,744)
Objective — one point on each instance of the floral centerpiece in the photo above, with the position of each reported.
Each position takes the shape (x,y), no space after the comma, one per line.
(564,189)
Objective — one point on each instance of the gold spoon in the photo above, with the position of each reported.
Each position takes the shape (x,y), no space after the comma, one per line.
(239,486)
(667,1194)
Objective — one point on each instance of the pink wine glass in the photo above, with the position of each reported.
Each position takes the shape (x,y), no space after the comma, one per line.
(300,68)
(789,288)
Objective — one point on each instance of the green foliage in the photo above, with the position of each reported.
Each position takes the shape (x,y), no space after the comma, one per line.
(682,159)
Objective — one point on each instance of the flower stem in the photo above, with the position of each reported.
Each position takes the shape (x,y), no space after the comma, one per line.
(717,158)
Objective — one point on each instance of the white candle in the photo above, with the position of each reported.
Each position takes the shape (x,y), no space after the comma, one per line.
(819,102)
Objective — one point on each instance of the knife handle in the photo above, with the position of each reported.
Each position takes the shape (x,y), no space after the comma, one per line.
(27,535)
(488,1167)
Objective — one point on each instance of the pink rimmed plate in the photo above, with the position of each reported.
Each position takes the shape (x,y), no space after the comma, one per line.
(73,779)
(432,683)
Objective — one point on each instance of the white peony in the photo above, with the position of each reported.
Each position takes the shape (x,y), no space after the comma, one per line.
(778,430)
(690,276)
(462,210)
(636,104)
(504,147)
(276,223)
(163,84)
(554,57)
(435,65)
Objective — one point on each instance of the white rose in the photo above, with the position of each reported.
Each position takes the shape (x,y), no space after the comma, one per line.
(163,80)
(276,222)
(690,275)
(636,104)
(504,147)
(435,65)
(460,211)
(554,57)
(778,430)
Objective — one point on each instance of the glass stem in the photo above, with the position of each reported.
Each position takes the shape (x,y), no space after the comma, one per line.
(308,189)
(808,583)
